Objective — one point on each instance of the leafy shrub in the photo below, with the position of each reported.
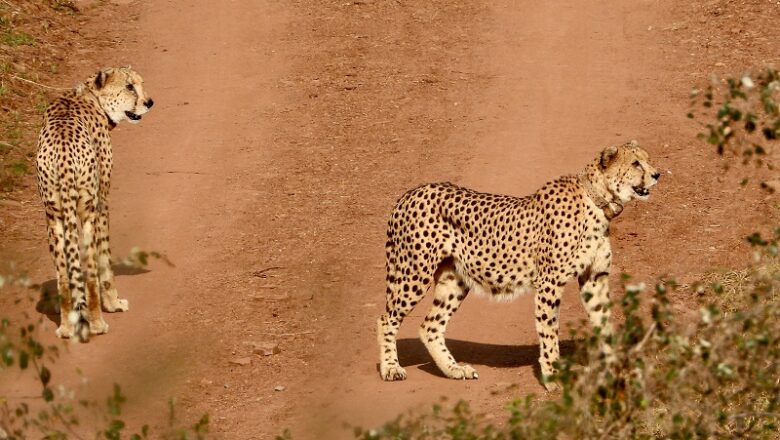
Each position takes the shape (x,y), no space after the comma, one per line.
(740,115)
(715,377)
(57,413)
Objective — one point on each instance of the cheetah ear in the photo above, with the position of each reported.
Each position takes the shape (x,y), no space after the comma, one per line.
(607,156)
(101,77)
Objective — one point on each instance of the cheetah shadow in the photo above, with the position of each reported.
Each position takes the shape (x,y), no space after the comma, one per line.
(48,302)
(412,352)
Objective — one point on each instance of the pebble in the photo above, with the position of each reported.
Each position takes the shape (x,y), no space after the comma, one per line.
(241,361)
(265,348)
(270,296)
(279,388)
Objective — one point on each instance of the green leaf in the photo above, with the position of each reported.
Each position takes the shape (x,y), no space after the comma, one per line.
(45,376)
(24,359)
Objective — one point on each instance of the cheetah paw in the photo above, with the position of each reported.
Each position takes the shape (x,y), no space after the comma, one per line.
(98,327)
(551,386)
(119,305)
(393,373)
(65,331)
(462,372)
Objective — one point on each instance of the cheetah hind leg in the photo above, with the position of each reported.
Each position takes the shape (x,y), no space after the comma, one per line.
(111,302)
(449,293)
(109,298)
(400,302)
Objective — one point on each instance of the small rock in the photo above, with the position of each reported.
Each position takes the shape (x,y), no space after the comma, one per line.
(206,383)
(279,388)
(241,361)
(265,348)
(720,64)
(270,296)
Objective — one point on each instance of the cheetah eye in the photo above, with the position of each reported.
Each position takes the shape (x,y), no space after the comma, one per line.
(130,87)
(637,164)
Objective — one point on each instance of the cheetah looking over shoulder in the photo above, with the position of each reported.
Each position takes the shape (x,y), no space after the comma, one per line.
(74,174)
(459,240)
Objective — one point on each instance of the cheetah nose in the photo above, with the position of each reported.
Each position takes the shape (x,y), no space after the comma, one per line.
(656,175)
(149,103)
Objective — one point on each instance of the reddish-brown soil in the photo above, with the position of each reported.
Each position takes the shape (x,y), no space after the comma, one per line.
(284,132)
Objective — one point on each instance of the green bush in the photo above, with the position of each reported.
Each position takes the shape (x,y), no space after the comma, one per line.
(715,377)
(57,413)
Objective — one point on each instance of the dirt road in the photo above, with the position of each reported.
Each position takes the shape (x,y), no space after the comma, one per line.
(282,135)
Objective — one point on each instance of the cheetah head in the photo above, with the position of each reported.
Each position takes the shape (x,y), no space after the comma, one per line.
(627,173)
(120,92)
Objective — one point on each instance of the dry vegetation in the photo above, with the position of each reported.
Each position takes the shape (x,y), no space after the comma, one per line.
(35,37)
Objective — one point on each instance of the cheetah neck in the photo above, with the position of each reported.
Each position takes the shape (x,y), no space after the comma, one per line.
(612,208)
(110,122)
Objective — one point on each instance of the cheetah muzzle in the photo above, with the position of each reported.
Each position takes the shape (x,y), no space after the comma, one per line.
(458,241)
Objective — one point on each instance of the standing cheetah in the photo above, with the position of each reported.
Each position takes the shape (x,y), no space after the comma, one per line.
(459,240)
(74,174)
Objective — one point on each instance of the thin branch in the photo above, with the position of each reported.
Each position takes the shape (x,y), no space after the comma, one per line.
(650,331)
(54,409)
(756,414)
(12,5)
(38,84)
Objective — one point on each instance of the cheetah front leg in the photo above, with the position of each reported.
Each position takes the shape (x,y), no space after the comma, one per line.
(110,300)
(548,302)
(594,291)
(449,292)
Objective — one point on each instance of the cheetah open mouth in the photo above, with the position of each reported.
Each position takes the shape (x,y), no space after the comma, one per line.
(133,116)
(642,191)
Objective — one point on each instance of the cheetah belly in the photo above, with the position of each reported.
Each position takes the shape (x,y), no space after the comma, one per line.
(501,293)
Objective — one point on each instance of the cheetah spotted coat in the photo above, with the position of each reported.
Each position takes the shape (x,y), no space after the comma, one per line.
(459,241)
(74,163)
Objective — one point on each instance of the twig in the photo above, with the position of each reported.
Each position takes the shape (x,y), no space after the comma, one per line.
(54,408)
(38,84)
(650,331)
(261,273)
(607,431)
(12,5)
(756,414)
(282,335)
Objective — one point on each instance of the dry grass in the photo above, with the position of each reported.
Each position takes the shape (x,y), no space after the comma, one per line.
(35,37)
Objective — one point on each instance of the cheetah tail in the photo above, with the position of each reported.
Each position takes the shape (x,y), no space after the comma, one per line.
(81,327)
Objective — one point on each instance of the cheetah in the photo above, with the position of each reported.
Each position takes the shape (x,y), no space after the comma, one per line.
(458,240)
(74,162)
